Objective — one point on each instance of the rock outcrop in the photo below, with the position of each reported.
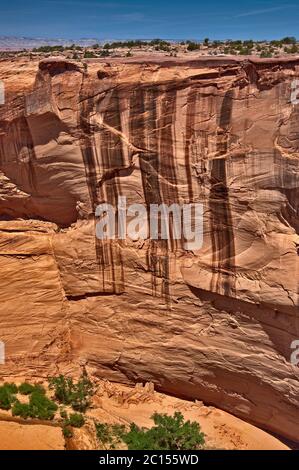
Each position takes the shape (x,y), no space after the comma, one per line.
(215,324)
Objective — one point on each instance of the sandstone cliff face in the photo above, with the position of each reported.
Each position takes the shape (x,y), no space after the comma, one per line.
(215,324)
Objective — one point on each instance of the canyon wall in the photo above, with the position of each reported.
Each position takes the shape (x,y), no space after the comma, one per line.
(216,323)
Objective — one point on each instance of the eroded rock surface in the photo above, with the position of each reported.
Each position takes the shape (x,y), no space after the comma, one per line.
(15,436)
(215,324)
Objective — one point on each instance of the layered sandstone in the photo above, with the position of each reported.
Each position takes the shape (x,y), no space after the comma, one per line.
(215,324)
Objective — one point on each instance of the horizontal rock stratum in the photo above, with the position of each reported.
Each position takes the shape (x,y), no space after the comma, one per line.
(216,324)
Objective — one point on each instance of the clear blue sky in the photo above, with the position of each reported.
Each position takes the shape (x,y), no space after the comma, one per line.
(175,19)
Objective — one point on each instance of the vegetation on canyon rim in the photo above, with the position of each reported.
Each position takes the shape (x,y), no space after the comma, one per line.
(248,47)
(168,432)
(286,45)
(264,49)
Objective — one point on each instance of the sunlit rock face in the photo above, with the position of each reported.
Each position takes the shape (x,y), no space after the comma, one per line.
(216,323)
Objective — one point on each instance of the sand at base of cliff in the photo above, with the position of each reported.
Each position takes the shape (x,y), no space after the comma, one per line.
(14,436)
(116,403)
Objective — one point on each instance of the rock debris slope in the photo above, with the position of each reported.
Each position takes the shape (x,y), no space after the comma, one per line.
(215,324)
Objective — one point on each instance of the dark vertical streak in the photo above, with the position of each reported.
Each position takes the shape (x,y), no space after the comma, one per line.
(221,219)
(87,152)
(108,255)
(143,123)
(191,102)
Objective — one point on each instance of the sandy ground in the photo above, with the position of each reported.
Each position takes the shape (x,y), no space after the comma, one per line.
(120,404)
(115,403)
(14,436)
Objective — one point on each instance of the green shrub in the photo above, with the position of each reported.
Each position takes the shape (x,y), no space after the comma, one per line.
(245,51)
(40,389)
(46,49)
(82,393)
(6,397)
(21,409)
(291,50)
(26,389)
(289,40)
(67,432)
(193,46)
(39,406)
(104,53)
(265,54)
(76,420)
(110,436)
(89,55)
(169,433)
(70,393)
(63,389)
(11,387)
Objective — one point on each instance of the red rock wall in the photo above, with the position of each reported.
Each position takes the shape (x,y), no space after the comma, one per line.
(215,324)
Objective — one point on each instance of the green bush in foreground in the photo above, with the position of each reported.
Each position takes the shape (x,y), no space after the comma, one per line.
(68,392)
(67,432)
(169,433)
(76,420)
(7,397)
(63,388)
(83,392)
(109,435)
(21,409)
(26,388)
(39,406)
(11,387)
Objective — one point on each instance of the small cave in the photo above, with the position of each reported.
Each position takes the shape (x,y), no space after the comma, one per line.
(102,74)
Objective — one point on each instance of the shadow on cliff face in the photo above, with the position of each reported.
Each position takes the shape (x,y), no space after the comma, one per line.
(33,174)
(288,178)
(281,328)
(56,66)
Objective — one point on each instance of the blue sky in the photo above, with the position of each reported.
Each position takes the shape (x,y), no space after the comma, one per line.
(177,19)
